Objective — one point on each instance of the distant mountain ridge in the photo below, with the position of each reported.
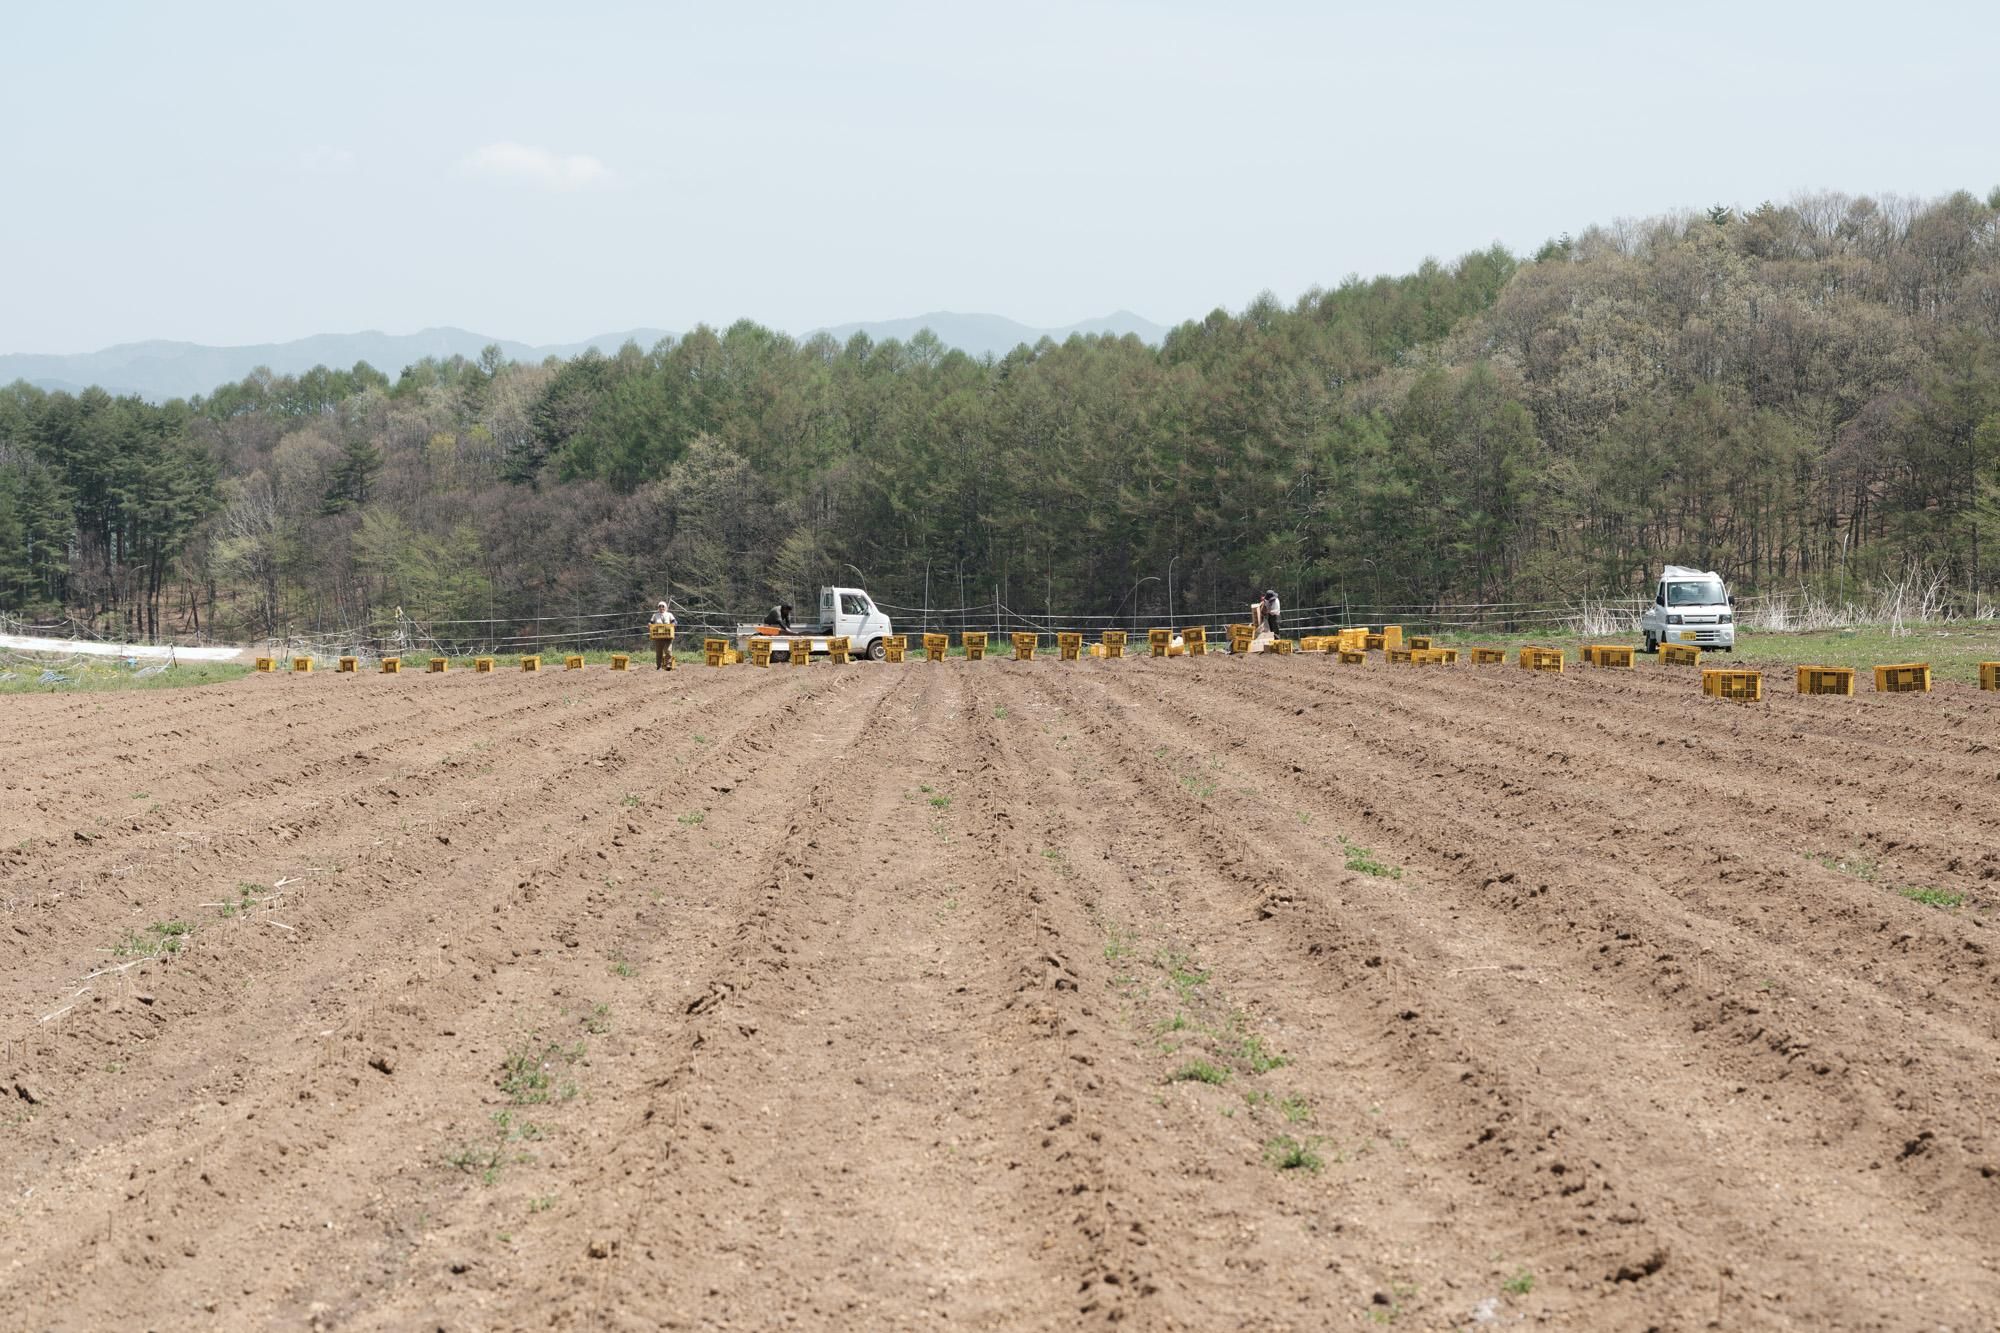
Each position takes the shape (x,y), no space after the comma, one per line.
(159,369)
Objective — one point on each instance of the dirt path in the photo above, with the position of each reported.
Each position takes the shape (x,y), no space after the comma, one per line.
(1192,994)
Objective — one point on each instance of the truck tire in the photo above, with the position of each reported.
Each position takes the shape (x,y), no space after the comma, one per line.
(875,650)
(1652,644)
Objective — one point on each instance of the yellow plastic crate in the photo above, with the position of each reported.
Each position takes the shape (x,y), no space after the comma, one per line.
(267,664)
(1419,641)
(1398,656)
(302,665)
(347,666)
(621,661)
(1352,641)
(1392,636)
(572,662)
(1351,657)
(482,665)
(1679,654)
(531,662)
(799,652)
(975,645)
(1989,675)
(1158,641)
(1542,659)
(1445,656)
(1024,645)
(1195,641)
(1608,655)
(760,650)
(894,647)
(439,665)
(1279,646)
(392,666)
(1373,643)
(1239,638)
(1904,678)
(936,646)
(1728,683)
(1069,647)
(659,631)
(838,649)
(1488,656)
(1825,680)
(1114,643)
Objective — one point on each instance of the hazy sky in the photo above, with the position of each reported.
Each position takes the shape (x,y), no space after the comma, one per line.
(248,173)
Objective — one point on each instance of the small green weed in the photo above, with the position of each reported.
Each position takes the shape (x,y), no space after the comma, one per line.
(1520,1284)
(1198,785)
(621,968)
(162,937)
(528,1074)
(1200,1071)
(1259,1058)
(628,800)
(1000,711)
(1363,861)
(1854,863)
(1290,1154)
(941,802)
(470,1158)
(1296,1110)
(1180,970)
(693,817)
(1932,897)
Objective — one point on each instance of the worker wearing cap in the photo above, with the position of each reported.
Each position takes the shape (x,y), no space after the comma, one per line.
(663,649)
(1264,613)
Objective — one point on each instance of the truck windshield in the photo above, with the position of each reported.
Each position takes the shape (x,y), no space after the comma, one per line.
(1696,594)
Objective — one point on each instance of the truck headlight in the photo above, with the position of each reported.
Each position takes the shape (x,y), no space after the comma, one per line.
(1726,618)
(1673,620)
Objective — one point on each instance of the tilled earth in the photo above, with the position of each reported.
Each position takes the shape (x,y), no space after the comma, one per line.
(1200,994)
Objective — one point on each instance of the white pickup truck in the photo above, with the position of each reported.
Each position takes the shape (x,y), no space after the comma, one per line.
(848,612)
(1690,606)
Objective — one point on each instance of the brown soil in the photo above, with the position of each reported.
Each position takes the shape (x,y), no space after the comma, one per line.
(884,997)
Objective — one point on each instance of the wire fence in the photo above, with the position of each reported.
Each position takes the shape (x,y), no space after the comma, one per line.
(1920,596)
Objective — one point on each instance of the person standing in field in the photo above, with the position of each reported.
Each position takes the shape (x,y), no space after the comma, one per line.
(663,648)
(1264,614)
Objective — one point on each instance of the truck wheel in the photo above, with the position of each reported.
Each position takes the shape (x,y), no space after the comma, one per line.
(875,650)
(1652,644)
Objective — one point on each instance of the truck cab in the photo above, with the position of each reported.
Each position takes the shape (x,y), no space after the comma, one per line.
(843,612)
(1690,606)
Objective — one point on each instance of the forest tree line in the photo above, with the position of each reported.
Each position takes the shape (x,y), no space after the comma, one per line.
(1801,396)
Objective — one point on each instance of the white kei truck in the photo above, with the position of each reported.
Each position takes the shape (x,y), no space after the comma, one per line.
(848,612)
(1690,606)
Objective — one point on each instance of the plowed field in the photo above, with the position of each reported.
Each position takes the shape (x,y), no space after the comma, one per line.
(1199,994)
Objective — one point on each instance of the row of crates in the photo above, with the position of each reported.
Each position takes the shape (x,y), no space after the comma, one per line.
(1348,646)
(391,666)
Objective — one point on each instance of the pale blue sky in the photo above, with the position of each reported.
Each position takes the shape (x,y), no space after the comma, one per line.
(232,173)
